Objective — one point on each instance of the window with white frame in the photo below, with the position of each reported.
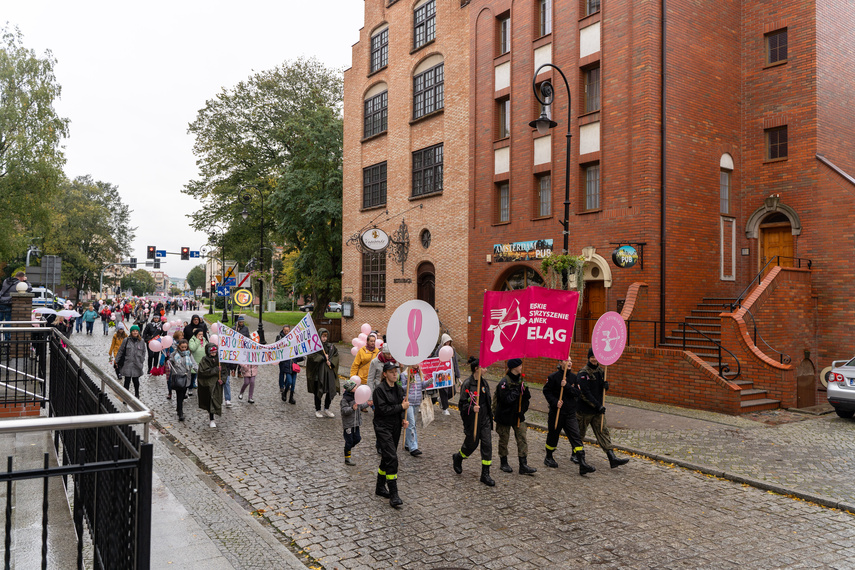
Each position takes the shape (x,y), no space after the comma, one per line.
(545,17)
(503,202)
(544,195)
(592,186)
(504,35)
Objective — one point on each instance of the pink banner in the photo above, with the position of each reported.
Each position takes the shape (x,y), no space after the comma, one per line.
(437,373)
(527,323)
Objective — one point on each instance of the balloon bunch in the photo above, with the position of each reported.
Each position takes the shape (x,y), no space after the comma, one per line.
(215,330)
(361,340)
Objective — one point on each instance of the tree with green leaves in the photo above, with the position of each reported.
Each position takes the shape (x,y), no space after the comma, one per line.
(196,277)
(278,125)
(140,282)
(31,133)
(90,230)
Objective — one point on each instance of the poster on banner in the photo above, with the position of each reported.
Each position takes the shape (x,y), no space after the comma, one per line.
(437,373)
(238,349)
(527,323)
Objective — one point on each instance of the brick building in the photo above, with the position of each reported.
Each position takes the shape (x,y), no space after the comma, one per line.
(406,162)
(719,138)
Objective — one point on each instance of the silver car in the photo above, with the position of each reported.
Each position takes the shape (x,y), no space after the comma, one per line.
(841,387)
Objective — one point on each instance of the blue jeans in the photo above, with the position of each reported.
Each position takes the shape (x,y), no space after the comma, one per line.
(5,315)
(89,326)
(78,324)
(227,389)
(412,439)
(106,326)
(193,380)
(286,380)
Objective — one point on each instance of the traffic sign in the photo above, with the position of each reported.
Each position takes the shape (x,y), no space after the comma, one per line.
(243,297)
(242,279)
(222,291)
(198,291)
(230,282)
(194,254)
(160,253)
(230,272)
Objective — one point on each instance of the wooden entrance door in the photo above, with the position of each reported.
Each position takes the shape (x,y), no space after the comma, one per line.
(776,239)
(426,284)
(593,307)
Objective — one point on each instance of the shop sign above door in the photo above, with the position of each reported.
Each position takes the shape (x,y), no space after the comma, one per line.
(375,239)
(625,256)
(522,250)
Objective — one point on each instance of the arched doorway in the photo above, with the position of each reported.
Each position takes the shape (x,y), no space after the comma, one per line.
(593,303)
(776,239)
(519,278)
(426,283)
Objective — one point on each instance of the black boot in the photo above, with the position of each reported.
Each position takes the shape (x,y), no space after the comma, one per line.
(457,459)
(524,468)
(504,466)
(380,490)
(584,468)
(550,461)
(614,461)
(291,397)
(574,459)
(394,499)
(285,395)
(485,476)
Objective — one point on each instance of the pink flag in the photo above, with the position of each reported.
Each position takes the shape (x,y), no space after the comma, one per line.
(527,323)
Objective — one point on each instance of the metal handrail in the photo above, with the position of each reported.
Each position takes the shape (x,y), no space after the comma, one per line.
(723,367)
(783,357)
(74,422)
(759,278)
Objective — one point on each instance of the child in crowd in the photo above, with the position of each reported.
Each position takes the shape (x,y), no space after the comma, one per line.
(249,372)
(350,419)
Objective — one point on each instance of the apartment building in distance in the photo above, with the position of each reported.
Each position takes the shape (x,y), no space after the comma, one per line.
(406,163)
(717,139)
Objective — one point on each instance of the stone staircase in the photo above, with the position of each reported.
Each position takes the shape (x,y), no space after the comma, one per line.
(703,340)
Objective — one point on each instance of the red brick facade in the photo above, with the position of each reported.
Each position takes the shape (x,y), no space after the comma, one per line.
(443,213)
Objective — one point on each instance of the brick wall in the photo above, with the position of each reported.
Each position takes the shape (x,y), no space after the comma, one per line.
(444,215)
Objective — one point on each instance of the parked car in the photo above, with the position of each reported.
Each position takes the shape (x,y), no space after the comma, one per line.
(44,297)
(841,387)
(308,308)
(334,307)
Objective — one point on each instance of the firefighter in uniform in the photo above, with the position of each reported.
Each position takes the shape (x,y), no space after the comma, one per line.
(592,410)
(390,408)
(563,406)
(510,405)
(471,390)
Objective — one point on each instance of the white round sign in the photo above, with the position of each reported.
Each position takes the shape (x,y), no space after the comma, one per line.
(375,239)
(412,332)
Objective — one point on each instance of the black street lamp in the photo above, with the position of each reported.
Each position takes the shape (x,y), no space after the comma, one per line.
(545,95)
(245,197)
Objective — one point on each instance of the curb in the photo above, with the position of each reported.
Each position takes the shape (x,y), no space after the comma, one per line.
(734,477)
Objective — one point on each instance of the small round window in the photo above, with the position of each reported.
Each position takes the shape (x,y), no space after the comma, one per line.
(595,272)
(425,238)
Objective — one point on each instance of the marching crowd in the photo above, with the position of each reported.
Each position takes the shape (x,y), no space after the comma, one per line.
(190,361)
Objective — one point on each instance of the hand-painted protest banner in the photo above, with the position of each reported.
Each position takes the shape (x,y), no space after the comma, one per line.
(437,374)
(526,323)
(238,349)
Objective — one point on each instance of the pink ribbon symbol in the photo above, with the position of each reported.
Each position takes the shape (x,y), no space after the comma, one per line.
(414,329)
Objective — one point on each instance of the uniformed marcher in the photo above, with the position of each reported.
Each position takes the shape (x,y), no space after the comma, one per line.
(473,389)
(564,408)
(591,410)
(390,410)
(509,407)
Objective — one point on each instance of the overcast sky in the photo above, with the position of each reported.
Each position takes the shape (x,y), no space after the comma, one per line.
(134,75)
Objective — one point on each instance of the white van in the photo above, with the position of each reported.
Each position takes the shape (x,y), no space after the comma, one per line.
(44,297)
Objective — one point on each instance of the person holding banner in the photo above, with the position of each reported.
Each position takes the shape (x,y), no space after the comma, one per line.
(561,392)
(591,410)
(477,415)
(446,393)
(510,405)
(390,407)
(287,376)
(322,374)
(210,378)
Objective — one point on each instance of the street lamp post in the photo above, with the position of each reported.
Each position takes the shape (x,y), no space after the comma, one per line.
(245,197)
(545,95)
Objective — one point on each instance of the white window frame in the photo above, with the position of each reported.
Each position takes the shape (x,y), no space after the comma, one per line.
(725,220)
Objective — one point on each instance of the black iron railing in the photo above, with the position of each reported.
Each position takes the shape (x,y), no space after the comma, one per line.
(759,277)
(23,350)
(783,358)
(99,452)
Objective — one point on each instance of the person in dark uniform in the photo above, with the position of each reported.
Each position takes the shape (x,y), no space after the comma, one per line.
(592,384)
(390,408)
(474,388)
(509,407)
(562,405)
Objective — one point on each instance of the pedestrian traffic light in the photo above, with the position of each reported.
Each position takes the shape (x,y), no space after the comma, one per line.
(151,252)
(133,262)
(157,263)
(185,254)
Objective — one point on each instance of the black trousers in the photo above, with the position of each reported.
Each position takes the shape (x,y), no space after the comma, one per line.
(153,358)
(484,438)
(327,401)
(136,381)
(352,438)
(388,437)
(569,425)
(180,395)
(444,394)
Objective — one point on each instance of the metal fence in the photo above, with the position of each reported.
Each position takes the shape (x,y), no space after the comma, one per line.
(103,450)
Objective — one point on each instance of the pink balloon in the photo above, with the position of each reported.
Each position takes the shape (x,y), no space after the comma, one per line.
(362,336)
(446,353)
(166,327)
(354,351)
(166,342)
(362,394)
(365,329)
(214,339)
(378,343)
(359,343)
(155,346)
(356,379)
(354,341)
(215,328)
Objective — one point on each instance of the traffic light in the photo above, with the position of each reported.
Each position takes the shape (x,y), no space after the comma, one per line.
(157,263)
(151,252)
(185,254)
(133,262)
(213,284)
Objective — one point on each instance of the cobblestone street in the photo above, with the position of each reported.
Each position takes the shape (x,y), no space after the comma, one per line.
(286,467)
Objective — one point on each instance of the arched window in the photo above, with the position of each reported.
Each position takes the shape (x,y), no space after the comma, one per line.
(429,86)
(520,278)
(379,48)
(376,110)
(725,174)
